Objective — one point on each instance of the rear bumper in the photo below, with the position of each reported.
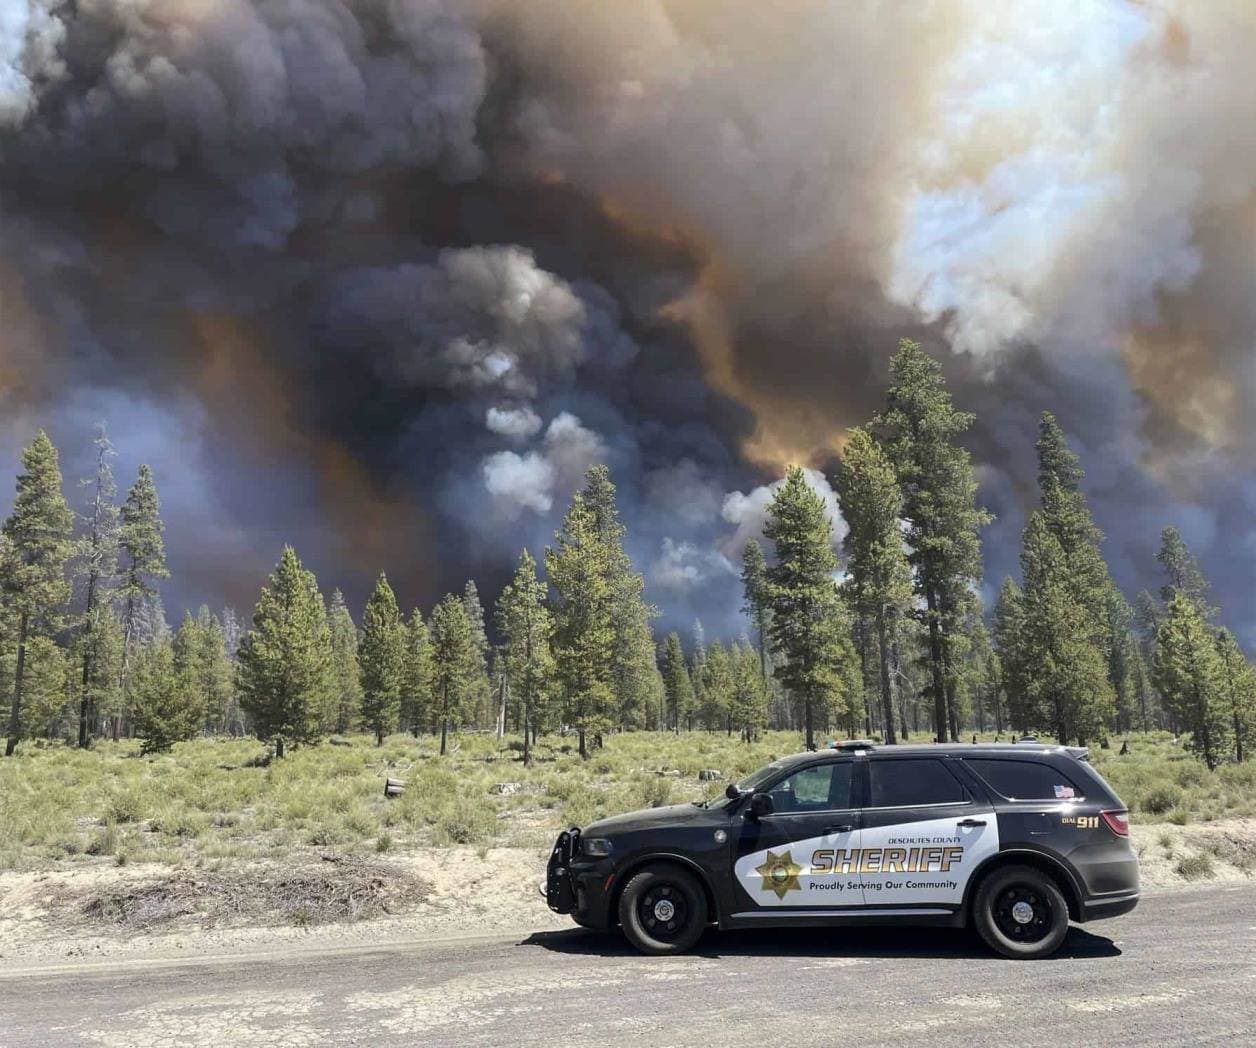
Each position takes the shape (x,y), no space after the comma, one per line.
(1101,907)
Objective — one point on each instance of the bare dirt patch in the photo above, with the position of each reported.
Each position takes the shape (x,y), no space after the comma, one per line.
(339,889)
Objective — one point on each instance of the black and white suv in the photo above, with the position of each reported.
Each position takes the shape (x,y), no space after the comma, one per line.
(1015,839)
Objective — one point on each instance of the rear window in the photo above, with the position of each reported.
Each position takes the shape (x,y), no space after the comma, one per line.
(913,782)
(1025,780)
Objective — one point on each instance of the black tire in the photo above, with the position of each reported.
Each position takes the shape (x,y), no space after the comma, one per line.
(1021,913)
(662,910)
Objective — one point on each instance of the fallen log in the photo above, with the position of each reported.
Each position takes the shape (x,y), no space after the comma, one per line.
(394,787)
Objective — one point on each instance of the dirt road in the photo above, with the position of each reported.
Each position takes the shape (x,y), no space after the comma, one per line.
(1180,970)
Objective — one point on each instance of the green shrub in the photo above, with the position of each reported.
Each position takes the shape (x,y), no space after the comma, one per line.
(1160,798)
(1195,867)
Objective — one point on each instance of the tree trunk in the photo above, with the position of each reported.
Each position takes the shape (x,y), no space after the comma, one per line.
(584,753)
(935,665)
(527,729)
(501,709)
(444,733)
(811,735)
(278,747)
(887,692)
(15,714)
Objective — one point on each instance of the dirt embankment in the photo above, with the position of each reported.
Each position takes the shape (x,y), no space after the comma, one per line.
(99,911)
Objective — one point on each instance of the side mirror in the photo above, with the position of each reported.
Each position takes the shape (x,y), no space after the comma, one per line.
(732,792)
(761,804)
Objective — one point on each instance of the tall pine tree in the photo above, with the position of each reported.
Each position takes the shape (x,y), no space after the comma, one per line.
(632,652)
(143,563)
(584,631)
(1065,638)
(524,623)
(97,566)
(416,680)
(920,427)
(285,677)
(810,628)
(1189,677)
(879,575)
(344,663)
(381,656)
(455,661)
(676,683)
(37,543)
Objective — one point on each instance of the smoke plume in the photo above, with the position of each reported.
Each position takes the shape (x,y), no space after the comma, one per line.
(382,277)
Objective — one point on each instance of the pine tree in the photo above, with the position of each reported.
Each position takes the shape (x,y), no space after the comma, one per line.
(920,428)
(1009,640)
(584,631)
(632,667)
(1238,686)
(344,663)
(481,689)
(1065,648)
(454,663)
(416,681)
(756,603)
(697,672)
(163,710)
(1122,652)
(717,689)
(749,704)
(46,705)
(143,563)
(677,686)
(33,558)
(524,623)
(1182,573)
(1189,674)
(880,577)
(1062,658)
(381,656)
(101,689)
(97,565)
(285,678)
(810,628)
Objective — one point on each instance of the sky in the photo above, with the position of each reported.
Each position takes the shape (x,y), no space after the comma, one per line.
(381,278)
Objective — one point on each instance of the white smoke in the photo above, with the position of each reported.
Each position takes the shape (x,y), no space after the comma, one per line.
(533,480)
(513,423)
(749,512)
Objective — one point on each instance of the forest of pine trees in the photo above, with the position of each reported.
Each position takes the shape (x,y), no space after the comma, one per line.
(889,639)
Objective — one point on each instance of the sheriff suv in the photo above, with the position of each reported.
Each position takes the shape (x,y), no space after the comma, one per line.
(1013,839)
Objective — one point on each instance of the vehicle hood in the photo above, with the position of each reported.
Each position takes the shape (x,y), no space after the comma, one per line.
(653,818)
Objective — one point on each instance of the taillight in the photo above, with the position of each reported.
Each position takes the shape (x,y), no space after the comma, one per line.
(1118,822)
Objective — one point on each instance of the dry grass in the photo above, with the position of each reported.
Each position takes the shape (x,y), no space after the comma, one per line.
(218,801)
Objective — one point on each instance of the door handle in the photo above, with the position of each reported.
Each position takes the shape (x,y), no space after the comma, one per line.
(967,823)
(845,827)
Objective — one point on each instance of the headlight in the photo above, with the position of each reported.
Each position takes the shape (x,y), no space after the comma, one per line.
(595,847)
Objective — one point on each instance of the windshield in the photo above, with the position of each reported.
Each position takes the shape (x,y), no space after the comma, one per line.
(756,779)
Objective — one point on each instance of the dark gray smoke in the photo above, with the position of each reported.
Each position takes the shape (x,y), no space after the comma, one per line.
(382,277)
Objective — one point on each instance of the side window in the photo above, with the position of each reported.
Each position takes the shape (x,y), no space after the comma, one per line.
(818,788)
(1025,780)
(913,782)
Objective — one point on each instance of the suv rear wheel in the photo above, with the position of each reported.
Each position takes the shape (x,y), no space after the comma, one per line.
(662,910)
(1021,913)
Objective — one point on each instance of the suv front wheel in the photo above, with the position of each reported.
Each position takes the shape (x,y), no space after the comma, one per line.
(662,909)
(1021,913)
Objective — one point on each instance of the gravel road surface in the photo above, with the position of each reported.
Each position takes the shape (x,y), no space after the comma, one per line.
(1181,969)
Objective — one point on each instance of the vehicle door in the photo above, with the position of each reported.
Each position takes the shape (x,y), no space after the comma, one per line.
(804,853)
(924,832)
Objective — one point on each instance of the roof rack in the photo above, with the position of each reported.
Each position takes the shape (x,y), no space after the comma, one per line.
(847,745)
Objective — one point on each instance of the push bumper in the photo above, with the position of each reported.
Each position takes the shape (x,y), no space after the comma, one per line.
(560,887)
(577,886)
